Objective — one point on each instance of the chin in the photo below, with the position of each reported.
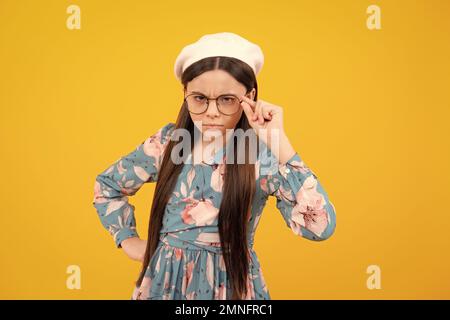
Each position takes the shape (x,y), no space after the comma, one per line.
(214,131)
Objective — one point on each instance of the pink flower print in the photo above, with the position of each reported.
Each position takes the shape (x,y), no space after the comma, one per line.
(267,185)
(317,221)
(200,213)
(178,253)
(217,178)
(309,211)
(263,184)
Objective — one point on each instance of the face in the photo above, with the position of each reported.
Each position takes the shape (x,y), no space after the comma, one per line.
(213,84)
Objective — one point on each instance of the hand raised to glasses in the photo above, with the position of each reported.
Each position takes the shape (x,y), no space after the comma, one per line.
(264,115)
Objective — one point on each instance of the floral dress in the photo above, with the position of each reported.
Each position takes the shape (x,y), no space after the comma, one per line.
(188,262)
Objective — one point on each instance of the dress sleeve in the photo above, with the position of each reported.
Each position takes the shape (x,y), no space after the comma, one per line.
(301,199)
(124,178)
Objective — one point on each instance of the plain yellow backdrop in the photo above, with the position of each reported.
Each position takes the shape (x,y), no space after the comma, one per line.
(367,110)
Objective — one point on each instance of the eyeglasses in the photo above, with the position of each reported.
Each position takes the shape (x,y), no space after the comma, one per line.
(227,104)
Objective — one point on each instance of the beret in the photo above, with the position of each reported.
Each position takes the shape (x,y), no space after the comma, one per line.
(226,44)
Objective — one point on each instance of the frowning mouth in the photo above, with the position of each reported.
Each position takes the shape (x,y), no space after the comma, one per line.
(213,125)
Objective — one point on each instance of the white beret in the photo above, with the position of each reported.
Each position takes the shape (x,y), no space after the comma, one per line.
(220,44)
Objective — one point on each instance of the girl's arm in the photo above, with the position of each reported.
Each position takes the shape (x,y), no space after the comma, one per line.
(301,199)
(124,178)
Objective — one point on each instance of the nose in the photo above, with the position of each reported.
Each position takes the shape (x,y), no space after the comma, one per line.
(212,111)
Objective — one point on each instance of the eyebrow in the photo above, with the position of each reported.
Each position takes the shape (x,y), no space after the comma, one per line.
(223,94)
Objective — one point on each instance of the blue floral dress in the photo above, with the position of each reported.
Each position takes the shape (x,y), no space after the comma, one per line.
(188,263)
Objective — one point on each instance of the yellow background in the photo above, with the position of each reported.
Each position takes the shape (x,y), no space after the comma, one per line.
(368,111)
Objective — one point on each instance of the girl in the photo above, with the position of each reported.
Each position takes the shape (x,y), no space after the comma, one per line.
(204,215)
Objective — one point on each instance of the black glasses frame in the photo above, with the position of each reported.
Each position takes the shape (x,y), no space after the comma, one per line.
(217,102)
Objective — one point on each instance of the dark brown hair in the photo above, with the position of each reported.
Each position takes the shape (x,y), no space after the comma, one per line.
(238,187)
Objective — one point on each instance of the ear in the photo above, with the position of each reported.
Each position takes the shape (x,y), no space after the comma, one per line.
(252,94)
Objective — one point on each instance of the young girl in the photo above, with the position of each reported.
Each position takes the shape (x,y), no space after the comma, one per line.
(204,214)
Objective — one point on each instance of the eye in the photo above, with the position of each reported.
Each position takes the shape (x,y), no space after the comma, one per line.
(199,98)
(228,99)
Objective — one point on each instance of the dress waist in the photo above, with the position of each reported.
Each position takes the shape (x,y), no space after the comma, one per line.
(212,243)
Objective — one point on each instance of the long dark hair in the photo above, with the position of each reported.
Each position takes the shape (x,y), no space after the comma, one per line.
(238,187)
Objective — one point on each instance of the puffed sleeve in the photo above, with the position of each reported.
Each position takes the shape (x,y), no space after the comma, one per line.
(124,178)
(301,199)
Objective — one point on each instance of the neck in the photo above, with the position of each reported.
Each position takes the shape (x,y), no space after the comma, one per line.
(211,145)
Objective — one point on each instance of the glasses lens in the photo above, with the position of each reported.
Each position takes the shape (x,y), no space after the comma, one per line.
(228,104)
(196,103)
